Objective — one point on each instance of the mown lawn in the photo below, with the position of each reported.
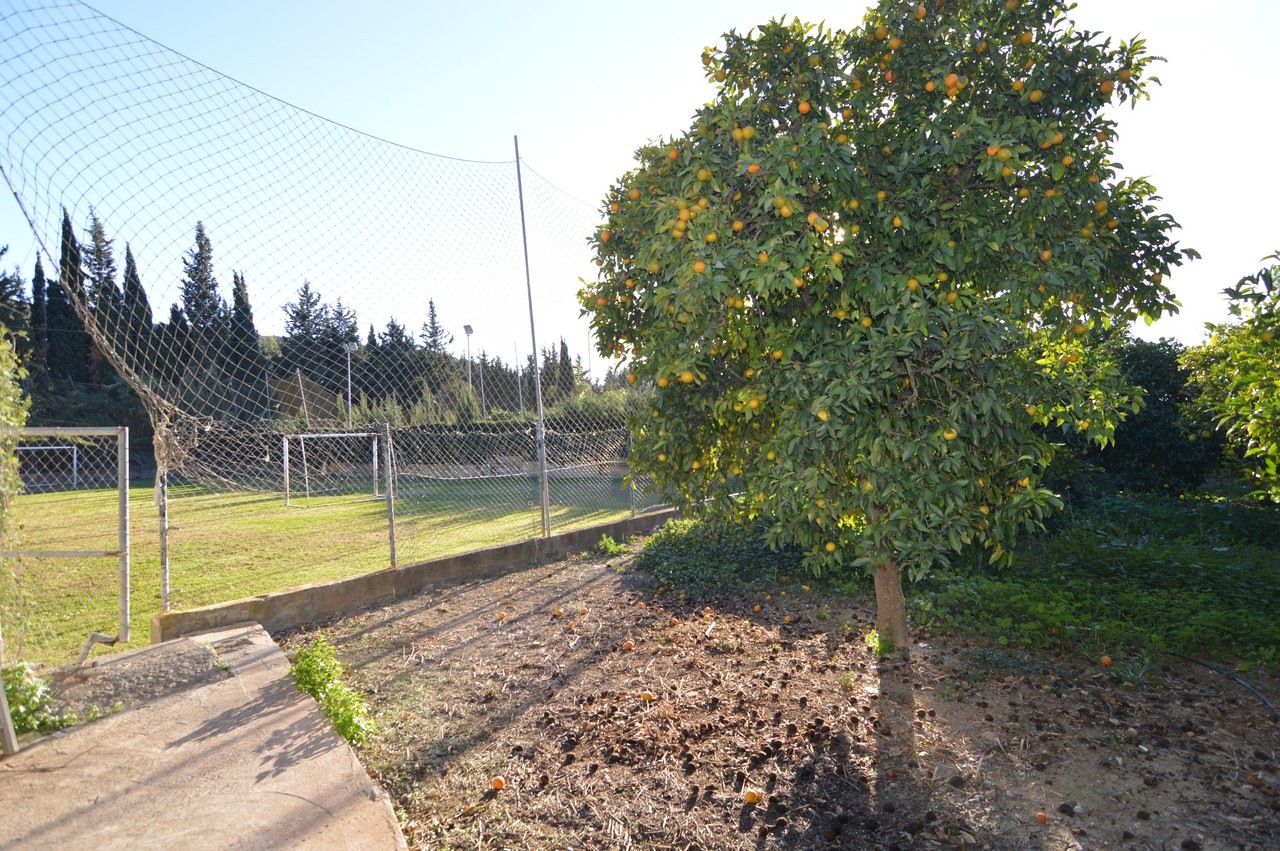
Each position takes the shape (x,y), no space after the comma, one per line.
(224,545)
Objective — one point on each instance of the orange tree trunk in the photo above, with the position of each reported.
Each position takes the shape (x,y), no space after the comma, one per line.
(891,607)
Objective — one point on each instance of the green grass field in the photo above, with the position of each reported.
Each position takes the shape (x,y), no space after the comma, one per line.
(228,545)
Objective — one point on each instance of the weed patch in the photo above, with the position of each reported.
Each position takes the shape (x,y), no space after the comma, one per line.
(1144,574)
(318,672)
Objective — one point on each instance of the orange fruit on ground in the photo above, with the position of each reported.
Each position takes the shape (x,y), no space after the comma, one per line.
(757,607)
(584,611)
(751,796)
(646,696)
(502,616)
(628,645)
(787,619)
(1042,817)
(1106,661)
(559,613)
(498,783)
(639,605)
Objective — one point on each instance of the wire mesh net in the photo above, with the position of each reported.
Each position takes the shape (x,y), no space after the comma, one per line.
(271,283)
(64,557)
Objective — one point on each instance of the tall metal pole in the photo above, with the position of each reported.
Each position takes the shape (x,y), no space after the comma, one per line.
(541,433)
(519,380)
(122,477)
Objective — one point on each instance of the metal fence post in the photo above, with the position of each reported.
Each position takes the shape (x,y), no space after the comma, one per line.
(8,738)
(631,479)
(163,486)
(388,463)
(284,455)
(122,476)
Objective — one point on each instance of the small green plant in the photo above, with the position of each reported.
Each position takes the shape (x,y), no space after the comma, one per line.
(30,702)
(846,680)
(879,646)
(318,672)
(607,546)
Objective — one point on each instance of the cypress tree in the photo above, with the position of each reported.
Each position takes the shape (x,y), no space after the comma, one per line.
(68,339)
(137,329)
(39,315)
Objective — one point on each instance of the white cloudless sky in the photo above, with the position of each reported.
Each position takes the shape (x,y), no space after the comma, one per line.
(584,84)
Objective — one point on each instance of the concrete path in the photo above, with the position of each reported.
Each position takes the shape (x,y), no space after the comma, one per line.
(244,762)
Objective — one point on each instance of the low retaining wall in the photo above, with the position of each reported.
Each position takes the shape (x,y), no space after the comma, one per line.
(283,610)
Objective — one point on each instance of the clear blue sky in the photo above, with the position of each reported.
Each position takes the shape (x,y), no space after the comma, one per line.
(584,84)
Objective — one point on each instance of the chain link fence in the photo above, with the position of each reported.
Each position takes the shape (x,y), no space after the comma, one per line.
(350,353)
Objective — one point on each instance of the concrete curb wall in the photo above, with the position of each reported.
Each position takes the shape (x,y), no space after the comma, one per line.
(283,610)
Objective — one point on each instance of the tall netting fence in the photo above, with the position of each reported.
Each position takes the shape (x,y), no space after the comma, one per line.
(312,318)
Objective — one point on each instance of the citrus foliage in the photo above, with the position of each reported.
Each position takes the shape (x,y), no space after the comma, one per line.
(1239,375)
(864,276)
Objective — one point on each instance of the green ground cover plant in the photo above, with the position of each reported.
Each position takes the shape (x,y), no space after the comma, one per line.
(1133,576)
(318,672)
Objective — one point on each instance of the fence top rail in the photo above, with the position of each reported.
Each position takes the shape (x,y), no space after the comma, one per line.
(63,431)
(336,434)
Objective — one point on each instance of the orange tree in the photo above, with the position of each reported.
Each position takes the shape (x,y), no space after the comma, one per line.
(1238,373)
(862,282)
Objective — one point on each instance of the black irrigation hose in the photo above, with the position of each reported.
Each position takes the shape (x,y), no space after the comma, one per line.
(1226,673)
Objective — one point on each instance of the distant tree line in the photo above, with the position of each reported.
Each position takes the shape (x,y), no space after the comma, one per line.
(207,356)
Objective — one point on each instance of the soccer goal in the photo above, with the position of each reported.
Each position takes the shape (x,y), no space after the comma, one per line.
(330,464)
(74,505)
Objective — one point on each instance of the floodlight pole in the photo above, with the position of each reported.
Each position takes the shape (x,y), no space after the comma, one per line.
(350,349)
(467,329)
(541,432)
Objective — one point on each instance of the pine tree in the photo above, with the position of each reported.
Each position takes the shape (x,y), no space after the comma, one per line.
(15,315)
(102,298)
(435,339)
(101,293)
(39,315)
(200,300)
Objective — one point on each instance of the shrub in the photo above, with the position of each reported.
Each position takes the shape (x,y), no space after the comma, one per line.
(30,701)
(698,553)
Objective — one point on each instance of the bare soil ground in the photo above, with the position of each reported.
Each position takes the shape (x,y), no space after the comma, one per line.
(529,676)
